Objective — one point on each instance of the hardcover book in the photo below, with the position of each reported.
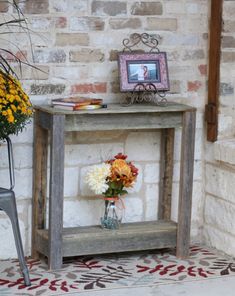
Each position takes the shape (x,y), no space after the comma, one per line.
(76,102)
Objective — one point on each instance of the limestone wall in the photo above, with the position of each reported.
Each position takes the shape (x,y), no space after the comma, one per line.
(75,43)
(219,210)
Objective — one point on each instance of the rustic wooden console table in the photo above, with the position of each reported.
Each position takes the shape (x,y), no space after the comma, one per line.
(57,242)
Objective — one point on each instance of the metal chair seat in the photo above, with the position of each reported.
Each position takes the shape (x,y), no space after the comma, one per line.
(8,205)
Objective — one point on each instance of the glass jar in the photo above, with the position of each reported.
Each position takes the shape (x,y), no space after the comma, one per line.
(112,214)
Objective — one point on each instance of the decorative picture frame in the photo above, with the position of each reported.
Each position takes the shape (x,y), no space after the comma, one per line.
(143,68)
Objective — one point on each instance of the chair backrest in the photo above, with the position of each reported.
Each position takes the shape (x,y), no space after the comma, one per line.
(11,163)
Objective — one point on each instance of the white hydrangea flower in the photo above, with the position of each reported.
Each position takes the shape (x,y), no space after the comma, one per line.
(96,177)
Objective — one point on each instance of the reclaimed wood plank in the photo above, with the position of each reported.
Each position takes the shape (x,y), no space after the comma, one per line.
(166,173)
(44,119)
(40,153)
(96,122)
(56,191)
(118,109)
(131,236)
(186,184)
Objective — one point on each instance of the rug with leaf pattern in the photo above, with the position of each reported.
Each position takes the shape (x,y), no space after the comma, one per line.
(113,271)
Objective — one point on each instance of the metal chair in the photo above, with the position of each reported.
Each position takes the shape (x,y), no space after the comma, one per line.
(8,205)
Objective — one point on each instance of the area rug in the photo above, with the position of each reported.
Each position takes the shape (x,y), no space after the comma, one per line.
(114,271)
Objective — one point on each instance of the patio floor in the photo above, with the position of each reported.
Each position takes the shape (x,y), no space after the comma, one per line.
(156,272)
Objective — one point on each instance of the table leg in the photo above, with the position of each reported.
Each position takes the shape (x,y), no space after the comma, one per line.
(39,181)
(166,173)
(56,191)
(186,184)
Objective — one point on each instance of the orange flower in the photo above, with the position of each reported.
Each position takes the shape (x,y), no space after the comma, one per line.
(120,168)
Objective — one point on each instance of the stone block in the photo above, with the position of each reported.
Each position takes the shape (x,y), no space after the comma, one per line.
(197,54)
(125,23)
(84,88)
(143,146)
(228,57)
(197,205)
(24,183)
(220,182)
(224,151)
(34,7)
(23,156)
(83,212)
(41,23)
(146,8)
(78,72)
(224,126)
(80,6)
(225,212)
(29,73)
(108,8)
(61,22)
(133,211)
(202,69)
(151,202)
(72,39)
(86,154)
(86,24)
(86,55)
(192,8)
(49,56)
(220,240)
(228,9)
(8,248)
(194,85)
(173,7)
(228,42)
(226,89)
(175,86)
(43,89)
(151,173)
(175,201)
(71,181)
(229,26)
(161,24)
(4,7)
(174,39)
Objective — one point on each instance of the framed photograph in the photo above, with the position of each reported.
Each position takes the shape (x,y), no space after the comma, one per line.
(144,68)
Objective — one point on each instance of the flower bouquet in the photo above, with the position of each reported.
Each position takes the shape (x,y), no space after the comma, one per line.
(15,106)
(110,179)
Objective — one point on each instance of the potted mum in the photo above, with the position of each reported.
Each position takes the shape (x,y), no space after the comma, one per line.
(15,106)
(110,179)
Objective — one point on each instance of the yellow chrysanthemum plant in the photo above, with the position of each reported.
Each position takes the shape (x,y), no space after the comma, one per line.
(15,106)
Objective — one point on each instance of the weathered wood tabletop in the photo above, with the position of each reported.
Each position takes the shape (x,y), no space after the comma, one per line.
(57,242)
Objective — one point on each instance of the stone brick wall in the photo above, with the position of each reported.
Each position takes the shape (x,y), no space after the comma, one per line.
(220,157)
(75,43)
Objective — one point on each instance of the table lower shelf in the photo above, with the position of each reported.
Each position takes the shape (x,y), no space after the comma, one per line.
(95,240)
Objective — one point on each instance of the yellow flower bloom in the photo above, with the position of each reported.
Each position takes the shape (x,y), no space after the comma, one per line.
(10,119)
(13,107)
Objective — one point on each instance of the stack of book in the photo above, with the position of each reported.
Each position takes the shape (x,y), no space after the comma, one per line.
(77,103)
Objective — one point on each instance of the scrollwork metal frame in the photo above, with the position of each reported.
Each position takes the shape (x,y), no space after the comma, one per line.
(143,92)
